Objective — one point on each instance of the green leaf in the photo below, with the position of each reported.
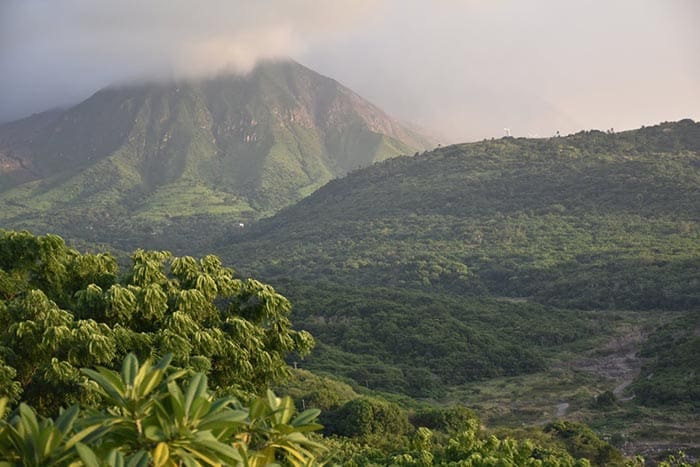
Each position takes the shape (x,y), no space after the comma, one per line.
(222,420)
(176,400)
(3,406)
(115,458)
(200,407)
(139,459)
(305,417)
(187,459)
(228,452)
(82,434)
(196,388)
(161,455)
(64,421)
(153,433)
(51,441)
(110,384)
(149,382)
(202,454)
(258,408)
(27,420)
(285,411)
(87,455)
(272,400)
(308,427)
(130,368)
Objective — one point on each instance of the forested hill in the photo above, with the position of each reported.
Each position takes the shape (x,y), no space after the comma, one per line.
(592,220)
(133,162)
(460,263)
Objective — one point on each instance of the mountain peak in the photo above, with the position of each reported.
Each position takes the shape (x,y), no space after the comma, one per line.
(240,145)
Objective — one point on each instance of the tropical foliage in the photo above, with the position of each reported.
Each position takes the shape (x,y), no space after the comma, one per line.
(467,447)
(61,310)
(417,275)
(671,374)
(476,260)
(154,415)
(418,343)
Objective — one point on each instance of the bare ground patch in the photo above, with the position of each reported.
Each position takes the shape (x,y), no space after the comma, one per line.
(617,361)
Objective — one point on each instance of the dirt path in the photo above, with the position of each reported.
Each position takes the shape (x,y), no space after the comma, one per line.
(632,366)
(561,409)
(617,361)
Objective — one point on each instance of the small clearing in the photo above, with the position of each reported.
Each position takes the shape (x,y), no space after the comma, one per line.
(618,360)
(561,409)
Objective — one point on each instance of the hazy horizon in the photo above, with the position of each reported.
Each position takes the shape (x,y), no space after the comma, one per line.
(462,69)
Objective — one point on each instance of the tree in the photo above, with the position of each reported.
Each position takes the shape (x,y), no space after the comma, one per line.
(149,416)
(366,417)
(581,441)
(61,310)
(447,419)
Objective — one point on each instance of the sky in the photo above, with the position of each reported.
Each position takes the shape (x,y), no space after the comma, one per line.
(462,69)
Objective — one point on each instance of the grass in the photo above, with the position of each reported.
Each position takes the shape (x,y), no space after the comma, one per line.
(190,198)
(532,400)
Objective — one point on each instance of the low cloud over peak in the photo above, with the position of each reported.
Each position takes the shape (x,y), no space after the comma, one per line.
(53,53)
(463,68)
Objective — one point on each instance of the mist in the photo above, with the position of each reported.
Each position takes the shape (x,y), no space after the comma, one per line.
(55,53)
(464,70)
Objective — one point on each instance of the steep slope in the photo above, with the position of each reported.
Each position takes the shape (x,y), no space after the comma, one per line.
(142,160)
(449,264)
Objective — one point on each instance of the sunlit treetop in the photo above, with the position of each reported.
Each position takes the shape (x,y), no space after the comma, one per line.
(61,310)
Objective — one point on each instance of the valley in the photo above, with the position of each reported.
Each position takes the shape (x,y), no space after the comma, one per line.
(533,281)
(350,233)
(560,261)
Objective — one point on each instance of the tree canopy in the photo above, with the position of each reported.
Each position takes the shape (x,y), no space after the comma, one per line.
(61,310)
(151,417)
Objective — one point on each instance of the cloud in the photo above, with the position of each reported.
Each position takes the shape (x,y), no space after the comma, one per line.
(51,51)
(470,68)
(466,68)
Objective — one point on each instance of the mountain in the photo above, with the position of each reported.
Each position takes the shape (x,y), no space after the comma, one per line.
(501,216)
(487,259)
(145,160)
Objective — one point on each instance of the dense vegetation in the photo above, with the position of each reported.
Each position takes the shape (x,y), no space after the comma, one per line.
(366,430)
(150,417)
(419,343)
(593,220)
(471,253)
(61,310)
(417,275)
(672,372)
(132,163)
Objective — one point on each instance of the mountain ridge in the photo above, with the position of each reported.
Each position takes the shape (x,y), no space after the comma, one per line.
(514,239)
(236,145)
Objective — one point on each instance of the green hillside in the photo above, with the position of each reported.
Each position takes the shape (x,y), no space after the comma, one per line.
(487,259)
(529,279)
(143,164)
